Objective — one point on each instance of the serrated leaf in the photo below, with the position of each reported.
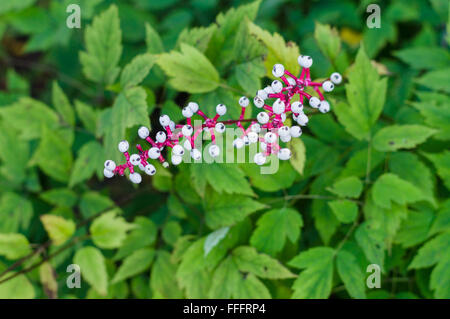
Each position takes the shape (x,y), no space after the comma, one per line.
(214,238)
(436,116)
(366,94)
(438,80)
(162,278)
(134,264)
(189,70)
(440,278)
(136,71)
(62,104)
(92,203)
(53,155)
(60,197)
(298,157)
(351,274)
(350,186)
(442,221)
(90,157)
(109,230)
(394,137)
(315,281)
(415,228)
(328,40)
(429,57)
(371,241)
(15,213)
(103,47)
(14,156)
(38,115)
(274,227)
(390,188)
(14,246)
(59,229)
(93,268)
(442,163)
(226,210)
(171,231)
(153,40)
(278,50)
(197,37)
(249,260)
(87,115)
(345,210)
(431,252)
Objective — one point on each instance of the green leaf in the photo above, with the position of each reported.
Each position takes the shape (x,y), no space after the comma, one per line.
(59,229)
(38,115)
(282,179)
(366,94)
(315,281)
(92,203)
(226,210)
(189,70)
(136,71)
(249,260)
(390,188)
(442,221)
(60,197)
(93,268)
(424,57)
(432,252)
(345,210)
(87,115)
(90,157)
(350,186)
(103,47)
(47,276)
(440,278)
(351,274)
(17,288)
(14,156)
(415,228)
(171,231)
(438,80)
(274,227)
(143,235)
(328,40)
(371,241)
(197,37)
(436,116)
(298,157)
(14,246)
(408,167)
(134,264)
(223,178)
(15,213)
(394,137)
(162,278)
(278,50)
(53,155)
(214,238)
(109,230)
(153,40)
(442,163)
(62,104)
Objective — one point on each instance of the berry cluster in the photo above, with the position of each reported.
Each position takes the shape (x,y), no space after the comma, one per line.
(266,129)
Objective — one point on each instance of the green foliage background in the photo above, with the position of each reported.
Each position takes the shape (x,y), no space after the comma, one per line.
(368,184)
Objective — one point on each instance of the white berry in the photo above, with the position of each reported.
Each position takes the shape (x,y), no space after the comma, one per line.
(135,178)
(270,137)
(336,78)
(295,131)
(252,137)
(297,107)
(214,150)
(243,101)
(305,61)
(291,81)
(314,102)
(143,132)
(238,143)
(187,130)
(176,159)
(256,128)
(178,150)
(154,153)
(135,159)
(262,94)
(286,138)
(327,86)
(278,106)
(269,90)
(193,107)
(258,101)
(277,86)
(284,154)
(278,70)
(283,117)
(108,173)
(123,146)
(164,120)
(196,154)
(259,159)
(263,146)
(187,112)
(161,137)
(150,169)
(187,145)
(262,117)
(246,140)
(283,131)
(324,106)
(221,109)
(220,128)
(110,165)
(302,119)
